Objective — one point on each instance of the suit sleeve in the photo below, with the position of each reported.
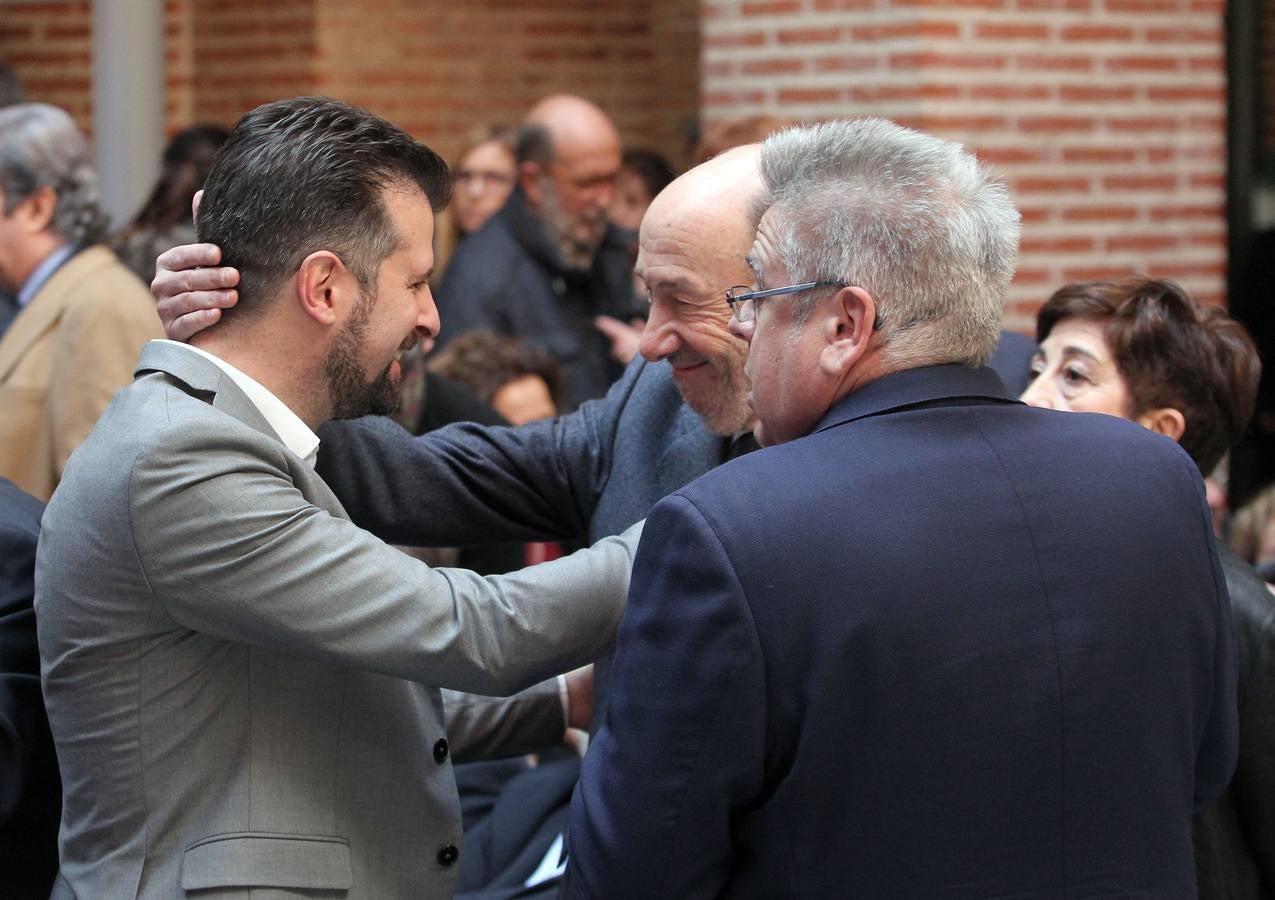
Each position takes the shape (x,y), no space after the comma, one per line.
(470,484)
(478,727)
(681,753)
(99,342)
(24,730)
(231,548)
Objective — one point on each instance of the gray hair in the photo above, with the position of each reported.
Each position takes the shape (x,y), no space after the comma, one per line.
(910,218)
(41,147)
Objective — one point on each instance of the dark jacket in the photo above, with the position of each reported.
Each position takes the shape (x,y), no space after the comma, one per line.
(905,656)
(509,277)
(30,791)
(1235,838)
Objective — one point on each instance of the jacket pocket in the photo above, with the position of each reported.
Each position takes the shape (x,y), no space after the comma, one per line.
(260,859)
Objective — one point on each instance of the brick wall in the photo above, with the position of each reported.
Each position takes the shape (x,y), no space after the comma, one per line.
(1107,117)
(436,67)
(49,45)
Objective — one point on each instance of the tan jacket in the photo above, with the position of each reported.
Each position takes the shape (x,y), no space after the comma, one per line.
(66,353)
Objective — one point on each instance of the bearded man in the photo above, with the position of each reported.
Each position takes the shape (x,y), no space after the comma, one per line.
(549,262)
(243,686)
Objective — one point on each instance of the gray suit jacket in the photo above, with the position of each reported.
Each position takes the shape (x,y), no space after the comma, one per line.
(241,683)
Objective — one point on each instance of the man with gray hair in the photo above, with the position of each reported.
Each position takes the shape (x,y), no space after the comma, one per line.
(83,315)
(916,647)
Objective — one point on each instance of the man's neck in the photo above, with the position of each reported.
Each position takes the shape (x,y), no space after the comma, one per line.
(40,248)
(288,375)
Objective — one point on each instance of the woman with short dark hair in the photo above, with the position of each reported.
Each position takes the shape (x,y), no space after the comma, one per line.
(1144,350)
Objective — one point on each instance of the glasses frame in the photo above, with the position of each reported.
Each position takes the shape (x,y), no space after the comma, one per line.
(739,302)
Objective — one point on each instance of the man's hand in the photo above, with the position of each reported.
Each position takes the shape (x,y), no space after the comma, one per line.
(191,290)
(624,338)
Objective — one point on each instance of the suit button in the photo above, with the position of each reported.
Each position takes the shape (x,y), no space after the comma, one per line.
(447,855)
(440,751)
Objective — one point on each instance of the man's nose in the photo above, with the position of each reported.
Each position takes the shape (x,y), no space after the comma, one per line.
(427,318)
(742,330)
(659,337)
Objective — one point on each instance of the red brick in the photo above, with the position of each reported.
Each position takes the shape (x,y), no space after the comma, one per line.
(810,95)
(1033,214)
(846,63)
(1033,276)
(1186,270)
(1008,156)
(963,60)
(1142,183)
(1143,64)
(1145,6)
(1056,185)
(771,8)
(1100,214)
(1176,94)
(808,35)
(888,32)
(736,39)
(1010,92)
(1057,245)
(1121,155)
(1094,93)
(1087,33)
(1054,62)
(947,124)
(1142,243)
(1011,31)
(833,5)
(1142,124)
(1056,123)
(1076,6)
(1097,273)
(1211,37)
(773,67)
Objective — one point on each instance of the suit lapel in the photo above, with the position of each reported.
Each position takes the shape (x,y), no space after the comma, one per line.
(46,307)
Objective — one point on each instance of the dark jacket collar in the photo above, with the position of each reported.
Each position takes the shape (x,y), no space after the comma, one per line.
(927,384)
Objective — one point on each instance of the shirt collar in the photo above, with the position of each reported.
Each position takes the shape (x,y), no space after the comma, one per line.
(43,272)
(294,433)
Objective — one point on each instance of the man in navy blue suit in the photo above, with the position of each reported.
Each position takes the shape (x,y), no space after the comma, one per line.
(930,642)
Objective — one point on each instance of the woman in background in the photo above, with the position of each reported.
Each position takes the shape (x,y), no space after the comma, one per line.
(1144,350)
(165,220)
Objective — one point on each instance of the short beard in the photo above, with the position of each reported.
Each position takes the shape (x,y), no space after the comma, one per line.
(725,411)
(577,254)
(348,393)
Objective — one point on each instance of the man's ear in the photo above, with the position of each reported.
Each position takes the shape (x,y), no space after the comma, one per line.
(846,323)
(35,211)
(194,204)
(529,180)
(1166,421)
(324,285)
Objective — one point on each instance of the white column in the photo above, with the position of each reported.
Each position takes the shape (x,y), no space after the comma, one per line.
(128,101)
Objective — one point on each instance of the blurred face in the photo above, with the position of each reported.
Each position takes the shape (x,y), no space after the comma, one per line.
(789,395)
(483,178)
(575,194)
(363,367)
(687,267)
(631,200)
(524,399)
(1073,370)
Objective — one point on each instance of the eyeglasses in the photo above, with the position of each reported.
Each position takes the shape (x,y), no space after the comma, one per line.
(483,181)
(741,298)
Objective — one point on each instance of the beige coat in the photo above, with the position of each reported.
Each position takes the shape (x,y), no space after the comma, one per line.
(67,352)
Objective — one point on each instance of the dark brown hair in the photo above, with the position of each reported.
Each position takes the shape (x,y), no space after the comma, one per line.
(485,361)
(1171,352)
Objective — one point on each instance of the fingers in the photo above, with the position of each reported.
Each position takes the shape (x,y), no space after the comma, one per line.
(188,256)
(181,328)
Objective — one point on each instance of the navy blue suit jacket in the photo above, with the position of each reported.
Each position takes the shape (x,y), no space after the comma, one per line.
(947,645)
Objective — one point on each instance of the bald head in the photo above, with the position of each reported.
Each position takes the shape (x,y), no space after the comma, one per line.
(709,209)
(568,156)
(694,238)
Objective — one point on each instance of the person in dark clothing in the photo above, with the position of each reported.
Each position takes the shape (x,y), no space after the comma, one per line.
(30,790)
(1144,350)
(549,262)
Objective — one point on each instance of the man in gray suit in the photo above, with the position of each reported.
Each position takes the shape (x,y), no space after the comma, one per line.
(239,680)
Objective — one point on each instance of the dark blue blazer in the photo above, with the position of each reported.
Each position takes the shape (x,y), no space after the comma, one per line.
(945,646)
